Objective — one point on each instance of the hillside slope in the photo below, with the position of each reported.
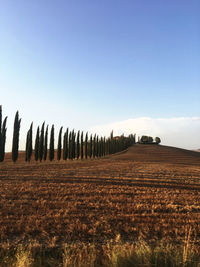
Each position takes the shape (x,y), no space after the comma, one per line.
(142,153)
(152,192)
(159,153)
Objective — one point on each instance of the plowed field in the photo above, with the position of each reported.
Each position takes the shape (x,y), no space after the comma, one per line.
(148,191)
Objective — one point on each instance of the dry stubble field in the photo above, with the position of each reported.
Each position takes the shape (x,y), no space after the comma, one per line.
(149,192)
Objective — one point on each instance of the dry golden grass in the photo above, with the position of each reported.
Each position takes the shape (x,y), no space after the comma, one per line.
(114,253)
(148,192)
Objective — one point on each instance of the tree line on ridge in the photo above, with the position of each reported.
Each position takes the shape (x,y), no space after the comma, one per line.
(71,145)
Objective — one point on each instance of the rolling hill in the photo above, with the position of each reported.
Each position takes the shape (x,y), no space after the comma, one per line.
(148,191)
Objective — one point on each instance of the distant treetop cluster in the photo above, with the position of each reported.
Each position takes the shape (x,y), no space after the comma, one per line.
(149,140)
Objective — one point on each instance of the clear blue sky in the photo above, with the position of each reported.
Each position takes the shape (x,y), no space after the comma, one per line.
(88,62)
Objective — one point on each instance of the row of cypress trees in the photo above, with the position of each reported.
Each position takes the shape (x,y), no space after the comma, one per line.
(72,145)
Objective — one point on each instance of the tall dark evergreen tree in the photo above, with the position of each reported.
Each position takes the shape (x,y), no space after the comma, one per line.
(27,140)
(46,143)
(82,145)
(101,147)
(29,144)
(111,142)
(70,146)
(59,144)
(37,143)
(90,151)
(41,143)
(109,146)
(97,147)
(65,145)
(0,133)
(134,139)
(104,146)
(0,118)
(3,130)
(78,145)
(111,135)
(15,144)
(3,139)
(86,145)
(51,145)
(94,146)
(74,145)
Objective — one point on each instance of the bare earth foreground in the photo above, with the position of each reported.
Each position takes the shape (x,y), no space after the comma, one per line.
(149,192)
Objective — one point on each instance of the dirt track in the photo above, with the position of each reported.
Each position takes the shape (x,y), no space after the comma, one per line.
(148,191)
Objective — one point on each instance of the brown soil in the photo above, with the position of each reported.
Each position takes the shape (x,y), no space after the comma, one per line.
(148,191)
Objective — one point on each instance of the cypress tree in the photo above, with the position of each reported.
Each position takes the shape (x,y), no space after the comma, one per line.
(90,153)
(51,145)
(3,130)
(0,129)
(104,146)
(116,145)
(109,146)
(111,142)
(134,139)
(74,145)
(0,134)
(15,144)
(30,141)
(86,145)
(46,143)
(41,143)
(111,135)
(37,143)
(59,144)
(101,147)
(70,146)
(82,145)
(0,117)
(94,146)
(97,147)
(27,140)
(65,145)
(29,144)
(78,145)
(3,140)
(113,145)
